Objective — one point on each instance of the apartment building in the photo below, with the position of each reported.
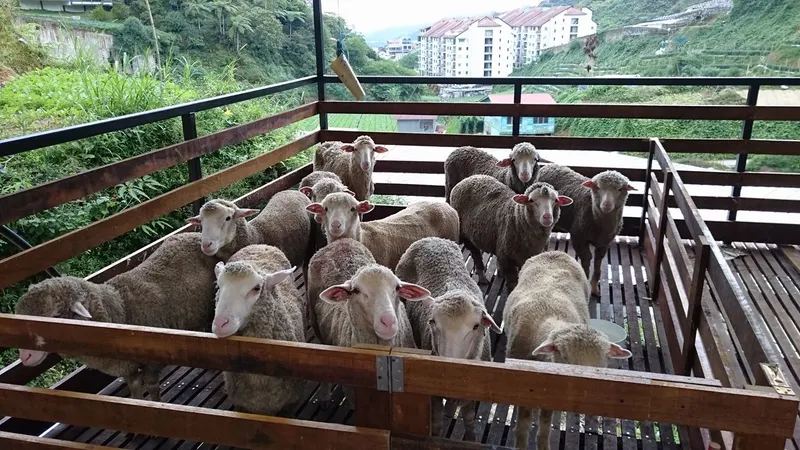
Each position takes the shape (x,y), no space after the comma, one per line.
(537,29)
(397,48)
(467,47)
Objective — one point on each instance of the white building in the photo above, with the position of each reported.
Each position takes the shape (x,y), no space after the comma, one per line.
(537,29)
(467,47)
(397,48)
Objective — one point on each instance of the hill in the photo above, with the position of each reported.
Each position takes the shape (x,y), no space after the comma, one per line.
(610,14)
(379,38)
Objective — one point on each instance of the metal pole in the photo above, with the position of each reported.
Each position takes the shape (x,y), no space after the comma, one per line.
(194,165)
(17,240)
(320,57)
(517,100)
(741,158)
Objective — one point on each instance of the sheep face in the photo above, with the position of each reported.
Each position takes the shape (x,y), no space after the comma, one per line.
(322,189)
(580,345)
(62,298)
(219,222)
(458,322)
(524,162)
(364,150)
(339,214)
(542,199)
(375,293)
(240,286)
(609,190)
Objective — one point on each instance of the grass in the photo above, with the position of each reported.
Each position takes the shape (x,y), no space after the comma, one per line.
(73,20)
(360,122)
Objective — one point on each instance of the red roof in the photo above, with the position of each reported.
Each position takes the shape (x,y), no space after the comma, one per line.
(487,22)
(532,17)
(450,27)
(575,12)
(528,99)
(413,117)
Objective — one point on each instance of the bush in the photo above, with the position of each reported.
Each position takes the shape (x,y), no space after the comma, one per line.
(101,14)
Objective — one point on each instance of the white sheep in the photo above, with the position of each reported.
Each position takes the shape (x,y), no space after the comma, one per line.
(596,216)
(389,237)
(283,223)
(455,322)
(353,163)
(512,226)
(173,288)
(546,318)
(360,300)
(317,185)
(517,171)
(257,298)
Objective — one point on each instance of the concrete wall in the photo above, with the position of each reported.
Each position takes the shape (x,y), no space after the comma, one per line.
(68,44)
(50,5)
(415,126)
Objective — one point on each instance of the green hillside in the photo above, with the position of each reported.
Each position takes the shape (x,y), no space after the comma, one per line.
(610,14)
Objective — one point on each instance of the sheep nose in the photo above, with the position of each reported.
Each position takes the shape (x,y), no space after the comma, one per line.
(387,320)
(207,245)
(365,165)
(607,204)
(525,177)
(548,217)
(336,225)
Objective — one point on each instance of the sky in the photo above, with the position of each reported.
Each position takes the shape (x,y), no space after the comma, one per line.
(366,16)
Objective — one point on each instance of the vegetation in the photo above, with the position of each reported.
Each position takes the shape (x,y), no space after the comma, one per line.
(15,55)
(610,14)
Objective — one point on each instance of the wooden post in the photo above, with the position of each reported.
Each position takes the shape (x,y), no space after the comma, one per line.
(663,210)
(702,253)
(411,413)
(756,442)
(642,221)
(373,406)
(770,376)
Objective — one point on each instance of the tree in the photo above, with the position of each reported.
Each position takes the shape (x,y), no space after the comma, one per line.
(410,61)
(240,24)
(196,9)
(155,35)
(223,10)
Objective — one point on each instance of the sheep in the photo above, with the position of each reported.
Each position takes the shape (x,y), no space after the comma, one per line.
(517,171)
(283,223)
(387,238)
(547,319)
(257,298)
(354,169)
(455,323)
(173,288)
(318,185)
(596,217)
(513,227)
(360,300)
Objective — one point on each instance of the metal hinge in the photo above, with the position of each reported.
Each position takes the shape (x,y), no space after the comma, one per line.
(776,379)
(389,373)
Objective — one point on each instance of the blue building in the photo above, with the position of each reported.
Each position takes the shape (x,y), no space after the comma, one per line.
(529,125)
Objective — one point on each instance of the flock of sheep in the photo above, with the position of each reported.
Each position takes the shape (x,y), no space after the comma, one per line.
(398,281)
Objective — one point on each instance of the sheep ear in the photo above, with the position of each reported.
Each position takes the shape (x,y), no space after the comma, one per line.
(488,322)
(317,218)
(547,348)
(306,190)
(563,200)
(381,149)
(79,309)
(589,184)
(631,188)
(350,192)
(276,277)
(218,269)
(316,208)
(504,162)
(244,212)
(365,207)
(195,220)
(337,293)
(522,199)
(412,292)
(348,148)
(617,352)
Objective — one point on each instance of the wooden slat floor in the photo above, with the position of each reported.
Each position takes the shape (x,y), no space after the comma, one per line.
(772,281)
(623,300)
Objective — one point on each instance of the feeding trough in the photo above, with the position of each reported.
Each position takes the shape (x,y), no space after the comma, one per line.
(616,334)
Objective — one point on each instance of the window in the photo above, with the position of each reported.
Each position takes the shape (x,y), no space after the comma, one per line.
(574,21)
(487,73)
(459,48)
(573,29)
(488,33)
(487,65)
(487,41)
(487,57)
(572,36)
(462,40)
(509,120)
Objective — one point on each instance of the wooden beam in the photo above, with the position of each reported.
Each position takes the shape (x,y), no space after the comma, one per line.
(184,422)
(354,367)
(732,146)
(695,311)
(604,392)
(401,441)
(48,195)
(587,110)
(29,262)
(24,442)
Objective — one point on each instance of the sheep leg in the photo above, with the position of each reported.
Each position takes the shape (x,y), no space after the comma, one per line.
(584,254)
(543,433)
(437,415)
(599,260)
(468,410)
(477,258)
(510,271)
(150,379)
(325,395)
(524,422)
(135,386)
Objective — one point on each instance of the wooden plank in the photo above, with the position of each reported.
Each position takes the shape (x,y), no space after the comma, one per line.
(24,442)
(48,195)
(186,422)
(757,442)
(24,264)
(606,392)
(487,141)
(402,441)
(355,367)
(694,312)
(732,146)
(588,110)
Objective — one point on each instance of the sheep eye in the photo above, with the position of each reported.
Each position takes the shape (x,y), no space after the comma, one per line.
(475,328)
(326,209)
(227,219)
(256,290)
(432,322)
(353,209)
(355,291)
